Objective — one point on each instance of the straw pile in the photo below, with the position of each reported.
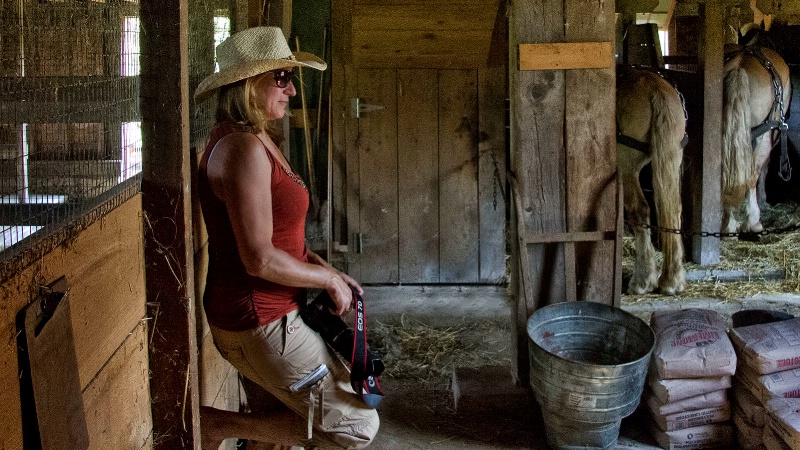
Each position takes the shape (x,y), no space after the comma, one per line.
(414,350)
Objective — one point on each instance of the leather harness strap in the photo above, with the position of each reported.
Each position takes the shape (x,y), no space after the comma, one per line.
(644,147)
(785,170)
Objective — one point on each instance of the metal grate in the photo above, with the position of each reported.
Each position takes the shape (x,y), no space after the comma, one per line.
(69,121)
(70,130)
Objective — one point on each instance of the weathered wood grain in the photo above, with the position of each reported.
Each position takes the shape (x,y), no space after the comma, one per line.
(418,175)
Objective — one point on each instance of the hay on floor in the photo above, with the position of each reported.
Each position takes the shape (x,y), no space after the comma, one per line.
(777,251)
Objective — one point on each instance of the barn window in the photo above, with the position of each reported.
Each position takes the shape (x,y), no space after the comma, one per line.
(222,29)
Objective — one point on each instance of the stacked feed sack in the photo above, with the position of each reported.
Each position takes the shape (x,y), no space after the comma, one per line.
(688,380)
(769,368)
(783,417)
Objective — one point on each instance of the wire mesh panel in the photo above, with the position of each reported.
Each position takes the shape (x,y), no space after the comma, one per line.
(209,24)
(70,133)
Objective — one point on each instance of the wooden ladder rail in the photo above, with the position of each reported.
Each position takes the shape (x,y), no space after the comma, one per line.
(568,239)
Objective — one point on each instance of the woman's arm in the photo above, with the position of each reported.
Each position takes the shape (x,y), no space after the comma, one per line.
(240,173)
(319,260)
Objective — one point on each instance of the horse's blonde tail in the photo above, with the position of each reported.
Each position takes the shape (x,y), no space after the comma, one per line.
(737,151)
(666,132)
(666,154)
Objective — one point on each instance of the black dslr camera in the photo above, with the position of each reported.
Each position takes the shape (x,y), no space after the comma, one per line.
(333,330)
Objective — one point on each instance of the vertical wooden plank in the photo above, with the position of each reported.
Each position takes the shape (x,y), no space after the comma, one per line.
(418,178)
(348,160)
(168,223)
(537,160)
(492,173)
(458,175)
(377,145)
(591,152)
(277,13)
(537,142)
(344,155)
(255,12)
(240,10)
(707,199)
(122,387)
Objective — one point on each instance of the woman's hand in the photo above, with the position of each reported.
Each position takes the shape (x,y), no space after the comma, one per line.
(347,279)
(340,293)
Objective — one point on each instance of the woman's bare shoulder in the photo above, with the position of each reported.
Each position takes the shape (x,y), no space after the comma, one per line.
(237,154)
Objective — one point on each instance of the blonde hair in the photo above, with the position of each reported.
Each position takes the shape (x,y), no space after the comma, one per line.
(239,102)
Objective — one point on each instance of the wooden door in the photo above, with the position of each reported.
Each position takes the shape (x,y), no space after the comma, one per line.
(430,187)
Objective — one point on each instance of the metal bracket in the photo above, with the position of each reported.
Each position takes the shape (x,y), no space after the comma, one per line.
(358,242)
(356,107)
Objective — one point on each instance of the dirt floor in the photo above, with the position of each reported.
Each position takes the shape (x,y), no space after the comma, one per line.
(420,409)
(429,337)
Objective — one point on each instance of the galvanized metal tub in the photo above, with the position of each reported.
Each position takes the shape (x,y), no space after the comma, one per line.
(588,366)
(566,434)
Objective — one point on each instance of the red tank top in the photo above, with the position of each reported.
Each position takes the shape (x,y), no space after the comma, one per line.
(235,300)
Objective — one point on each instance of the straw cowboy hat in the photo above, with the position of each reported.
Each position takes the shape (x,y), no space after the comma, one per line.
(252,52)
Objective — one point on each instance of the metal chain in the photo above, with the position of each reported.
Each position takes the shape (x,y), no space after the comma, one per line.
(741,235)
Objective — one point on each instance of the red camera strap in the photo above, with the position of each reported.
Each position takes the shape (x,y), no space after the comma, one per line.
(367,386)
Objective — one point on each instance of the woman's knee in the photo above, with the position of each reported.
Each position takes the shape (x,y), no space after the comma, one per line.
(356,433)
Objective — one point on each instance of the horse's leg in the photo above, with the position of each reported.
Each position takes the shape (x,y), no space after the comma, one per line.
(761,186)
(761,151)
(645,273)
(729,223)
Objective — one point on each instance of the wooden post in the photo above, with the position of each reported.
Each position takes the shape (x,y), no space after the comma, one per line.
(278,13)
(707,210)
(563,157)
(169,269)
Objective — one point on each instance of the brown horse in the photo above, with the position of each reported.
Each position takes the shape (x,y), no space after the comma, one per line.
(757,92)
(651,125)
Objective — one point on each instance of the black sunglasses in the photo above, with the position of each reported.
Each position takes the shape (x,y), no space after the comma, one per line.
(282,77)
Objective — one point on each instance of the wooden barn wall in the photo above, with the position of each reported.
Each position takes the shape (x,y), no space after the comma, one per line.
(104,330)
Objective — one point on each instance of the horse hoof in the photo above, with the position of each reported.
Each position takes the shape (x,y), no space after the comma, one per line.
(640,288)
(672,290)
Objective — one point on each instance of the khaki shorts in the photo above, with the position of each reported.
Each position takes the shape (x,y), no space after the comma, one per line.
(280,353)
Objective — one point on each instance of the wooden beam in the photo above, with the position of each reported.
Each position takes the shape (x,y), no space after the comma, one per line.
(566,55)
(590,143)
(68,99)
(576,236)
(670,15)
(706,196)
(278,13)
(168,250)
(65,112)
